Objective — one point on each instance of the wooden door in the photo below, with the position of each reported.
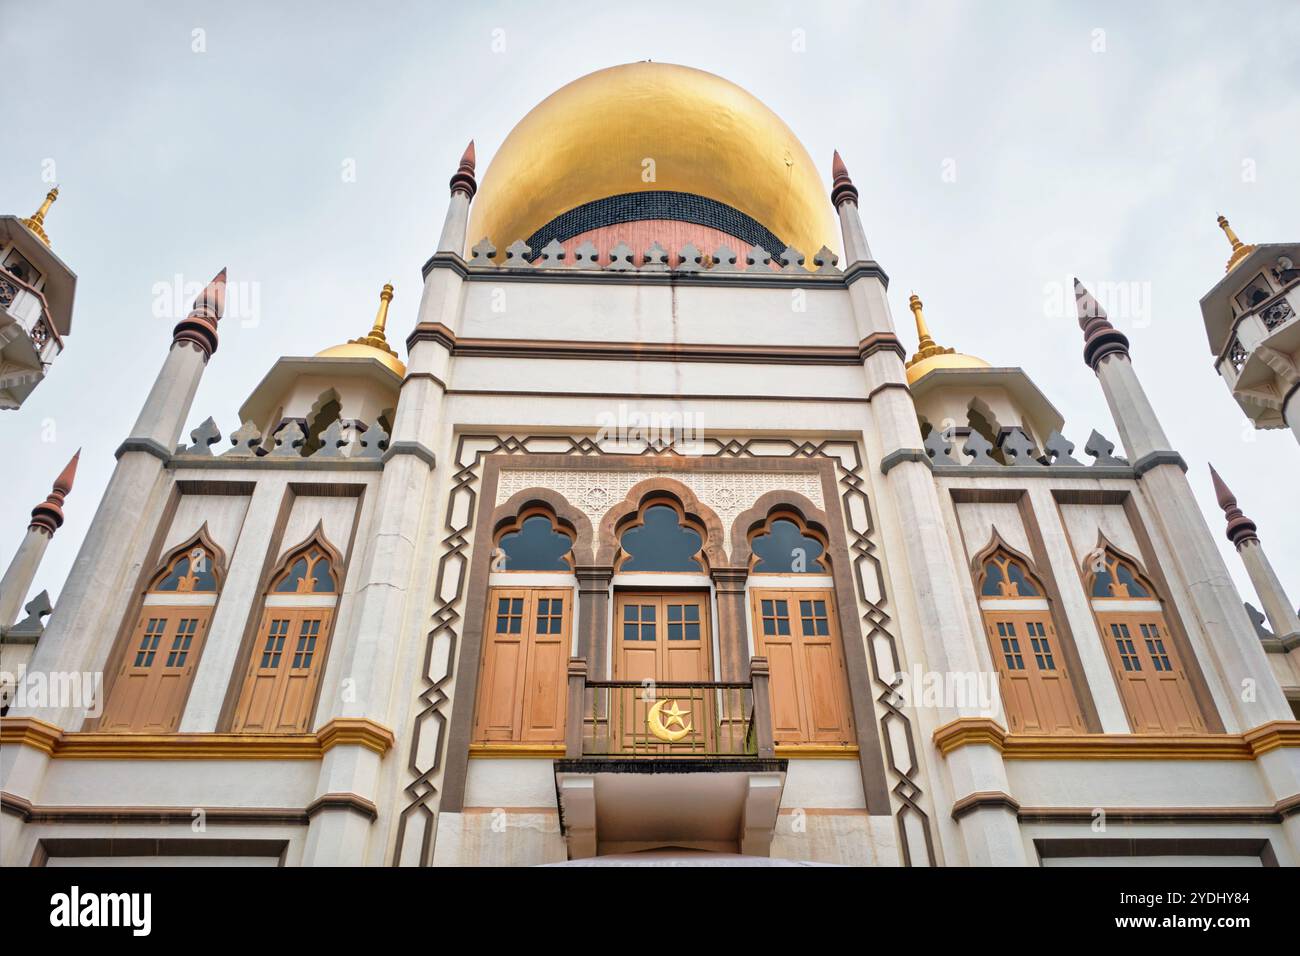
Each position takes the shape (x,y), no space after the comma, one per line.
(1152,681)
(662,637)
(1036,689)
(798,633)
(154,680)
(279,691)
(522,696)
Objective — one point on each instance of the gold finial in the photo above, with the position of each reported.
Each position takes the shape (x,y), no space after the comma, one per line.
(926,346)
(375,337)
(37,221)
(1240,250)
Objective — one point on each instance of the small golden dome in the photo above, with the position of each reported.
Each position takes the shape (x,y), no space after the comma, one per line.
(929,355)
(598,136)
(372,345)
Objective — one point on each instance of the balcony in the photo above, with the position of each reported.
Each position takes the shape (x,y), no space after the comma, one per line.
(669,763)
(28,339)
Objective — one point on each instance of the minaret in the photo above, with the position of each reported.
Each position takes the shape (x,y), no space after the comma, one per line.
(404,503)
(47,518)
(926,347)
(902,477)
(1247,694)
(79,634)
(1241,532)
(1250,321)
(376,337)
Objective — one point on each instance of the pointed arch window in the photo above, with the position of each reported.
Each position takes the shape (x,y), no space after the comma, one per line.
(1038,693)
(282,681)
(153,682)
(662,538)
(1147,665)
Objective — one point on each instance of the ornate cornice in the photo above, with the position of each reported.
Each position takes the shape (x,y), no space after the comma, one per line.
(977,731)
(55,742)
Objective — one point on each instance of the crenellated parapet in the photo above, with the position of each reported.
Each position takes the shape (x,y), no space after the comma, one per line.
(655,258)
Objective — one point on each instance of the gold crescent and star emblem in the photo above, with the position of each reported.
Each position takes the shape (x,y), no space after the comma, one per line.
(656,724)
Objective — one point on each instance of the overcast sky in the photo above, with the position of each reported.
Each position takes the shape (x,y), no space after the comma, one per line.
(999,148)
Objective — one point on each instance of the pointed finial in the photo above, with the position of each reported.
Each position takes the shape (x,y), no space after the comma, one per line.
(926,347)
(37,221)
(1100,338)
(375,337)
(842,188)
(463,179)
(199,328)
(1240,250)
(1240,528)
(47,517)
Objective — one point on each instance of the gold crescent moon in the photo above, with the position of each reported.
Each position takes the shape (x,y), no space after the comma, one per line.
(654,723)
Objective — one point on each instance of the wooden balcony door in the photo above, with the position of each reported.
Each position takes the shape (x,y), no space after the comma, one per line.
(1036,689)
(1152,681)
(279,691)
(154,680)
(797,631)
(524,676)
(662,637)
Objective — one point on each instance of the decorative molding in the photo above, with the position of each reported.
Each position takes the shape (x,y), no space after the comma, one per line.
(431,332)
(1155,459)
(161,816)
(656,352)
(1174,815)
(977,731)
(418,449)
(881,342)
(865,269)
(984,800)
(900,455)
(146,445)
(58,743)
(517,751)
(343,801)
(818,751)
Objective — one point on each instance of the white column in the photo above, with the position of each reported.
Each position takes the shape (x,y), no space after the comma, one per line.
(1279,610)
(377,626)
(990,836)
(20,574)
(1229,636)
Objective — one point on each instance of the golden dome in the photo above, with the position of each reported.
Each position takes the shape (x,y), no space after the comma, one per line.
(929,355)
(706,136)
(372,345)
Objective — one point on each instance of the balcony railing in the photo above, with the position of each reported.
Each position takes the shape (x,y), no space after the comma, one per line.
(32,313)
(669,719)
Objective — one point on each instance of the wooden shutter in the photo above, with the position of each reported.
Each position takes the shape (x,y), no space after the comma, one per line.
(1036,687)
(279,691)
(1152,682)
(523,686)
(154,680)
(798,632)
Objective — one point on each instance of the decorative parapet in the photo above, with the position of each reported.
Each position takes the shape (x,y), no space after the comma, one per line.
(339,441)
(622,258)
(1015,451)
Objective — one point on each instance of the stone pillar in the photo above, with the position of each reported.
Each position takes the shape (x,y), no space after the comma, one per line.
(47,518)
(1230,642)
(368,645)
(593,618)
(80,632)
(733,635)
(1241,532)
(991,837)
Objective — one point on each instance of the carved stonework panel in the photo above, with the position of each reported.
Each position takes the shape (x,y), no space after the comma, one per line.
(728,493)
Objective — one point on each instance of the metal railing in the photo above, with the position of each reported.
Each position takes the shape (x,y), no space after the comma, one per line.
(669,719)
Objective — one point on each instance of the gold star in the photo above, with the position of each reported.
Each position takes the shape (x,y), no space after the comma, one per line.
(675,715)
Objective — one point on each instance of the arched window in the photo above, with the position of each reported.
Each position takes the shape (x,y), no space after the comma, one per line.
(534,543)
(278,694)
(153,682)
(526,635)
(1037,691)
(785,545)
(1152,680)
(662,538)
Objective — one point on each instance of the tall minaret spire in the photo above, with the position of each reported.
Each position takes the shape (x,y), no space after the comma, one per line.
(47,518)
(1239,249)
(463,187)
(37,221)
(844,196)
(1230,642)
(1241,531)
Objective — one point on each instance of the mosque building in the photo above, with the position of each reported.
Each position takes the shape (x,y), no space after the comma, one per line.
(655,541)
